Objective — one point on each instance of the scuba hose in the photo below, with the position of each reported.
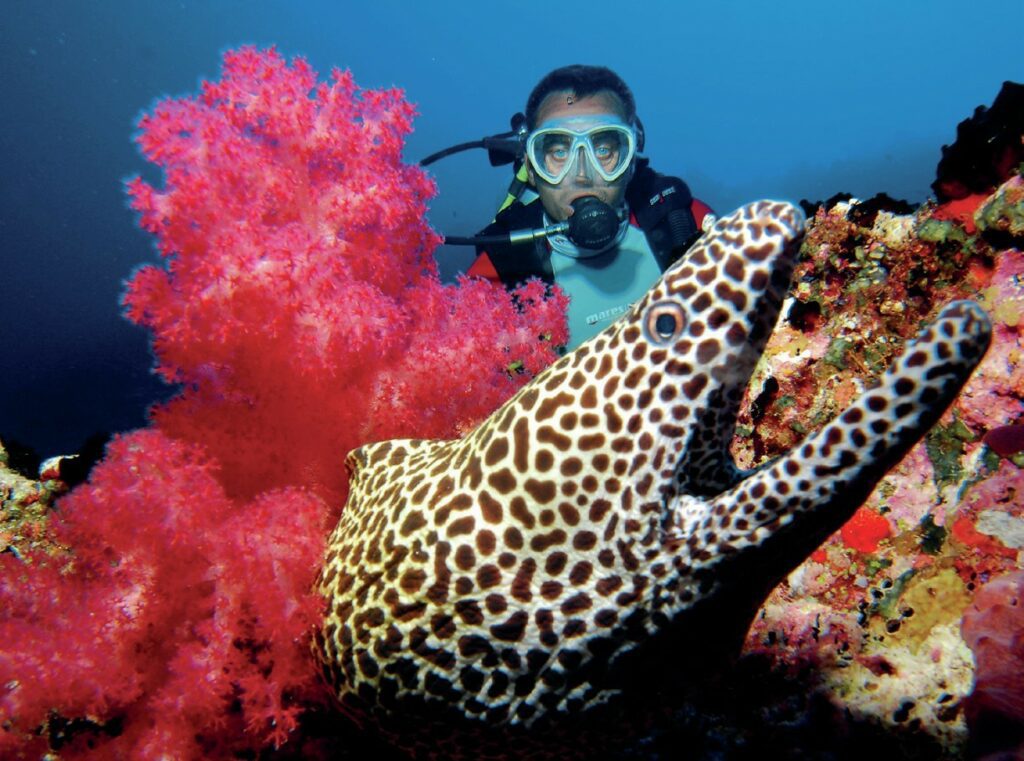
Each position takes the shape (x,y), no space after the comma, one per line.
(499,148)
(503,148)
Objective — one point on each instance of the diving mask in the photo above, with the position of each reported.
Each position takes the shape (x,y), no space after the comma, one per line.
(557,148)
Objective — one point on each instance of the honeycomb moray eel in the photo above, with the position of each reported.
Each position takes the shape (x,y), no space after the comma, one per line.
(546,584)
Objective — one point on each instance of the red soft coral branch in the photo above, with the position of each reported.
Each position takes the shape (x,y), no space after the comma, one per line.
(146,618)
(302,293)
(300,309)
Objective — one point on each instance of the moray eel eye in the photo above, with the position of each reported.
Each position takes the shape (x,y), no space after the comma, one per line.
(664,322)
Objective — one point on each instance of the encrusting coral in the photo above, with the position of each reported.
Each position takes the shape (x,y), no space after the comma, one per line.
(163,609)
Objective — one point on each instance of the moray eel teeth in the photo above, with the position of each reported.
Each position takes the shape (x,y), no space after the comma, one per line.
(550,581)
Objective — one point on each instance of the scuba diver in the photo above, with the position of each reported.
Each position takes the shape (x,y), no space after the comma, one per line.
(584,212)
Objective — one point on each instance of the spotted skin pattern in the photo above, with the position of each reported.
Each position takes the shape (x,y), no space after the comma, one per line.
(540,586)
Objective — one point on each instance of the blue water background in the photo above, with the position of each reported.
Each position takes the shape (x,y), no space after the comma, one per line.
(744,100)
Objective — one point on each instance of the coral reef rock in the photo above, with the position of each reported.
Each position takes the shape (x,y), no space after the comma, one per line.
(870,624)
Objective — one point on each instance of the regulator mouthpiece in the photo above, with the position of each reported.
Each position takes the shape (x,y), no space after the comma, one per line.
(593,224)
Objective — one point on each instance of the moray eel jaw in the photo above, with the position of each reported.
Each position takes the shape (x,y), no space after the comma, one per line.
(774,517)
(592,541)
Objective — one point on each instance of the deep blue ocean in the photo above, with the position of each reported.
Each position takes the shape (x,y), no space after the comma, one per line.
(743,100)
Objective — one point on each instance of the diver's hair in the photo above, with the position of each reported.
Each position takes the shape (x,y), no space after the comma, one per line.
(582,81)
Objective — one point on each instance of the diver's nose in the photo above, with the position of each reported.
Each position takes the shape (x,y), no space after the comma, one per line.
(584,173)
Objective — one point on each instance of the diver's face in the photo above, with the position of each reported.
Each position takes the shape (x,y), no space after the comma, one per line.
(581,180)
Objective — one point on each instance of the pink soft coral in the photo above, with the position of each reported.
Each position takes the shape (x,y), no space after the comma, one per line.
(176,604)
(302,314)
(302,308)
